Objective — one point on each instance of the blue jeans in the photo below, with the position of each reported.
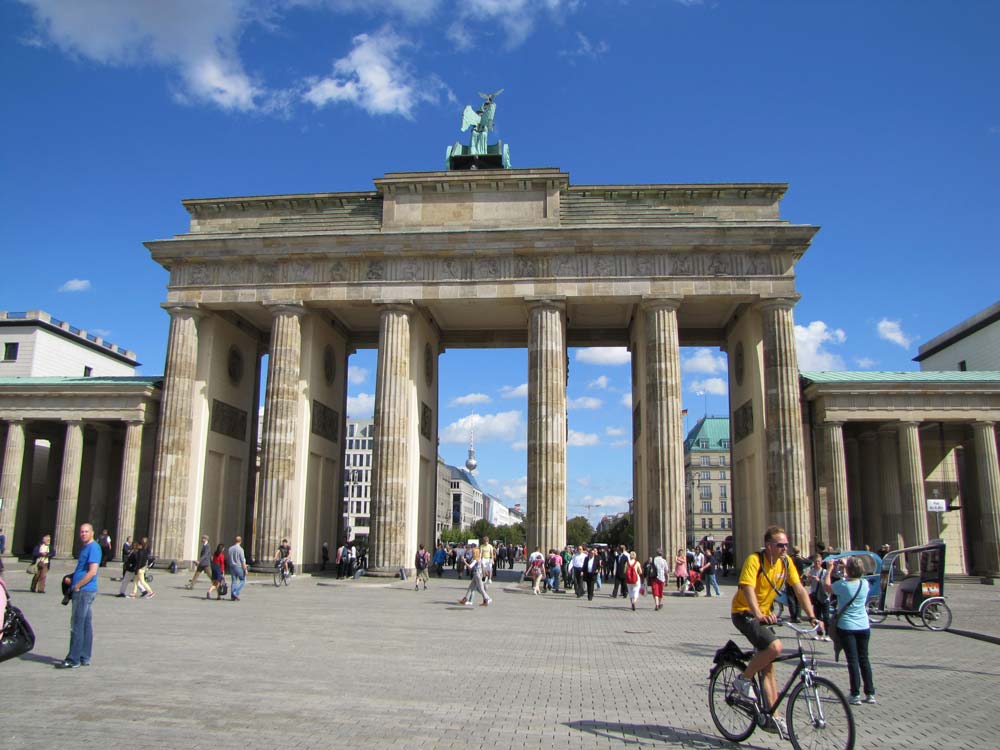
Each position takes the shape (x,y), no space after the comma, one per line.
(711,583)
(237,581)
(554,579)
(81,628)
(859,668)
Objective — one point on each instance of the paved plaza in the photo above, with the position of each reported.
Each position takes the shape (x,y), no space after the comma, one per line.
(372,664)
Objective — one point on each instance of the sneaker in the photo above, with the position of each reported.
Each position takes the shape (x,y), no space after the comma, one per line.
(150,595)
(744,688)
(854,700)
(776,725)
(67,664)
(870,699)
(84,663)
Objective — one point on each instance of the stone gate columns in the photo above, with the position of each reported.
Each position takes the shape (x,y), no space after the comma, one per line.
(171,485)
(889,476)
(128,493)
(913,506)
(546,517)
(788,504)
(99,483)
(69,490)
(664,434)
(854,492)
(390,457)
(871,500)
(10,479)
(839,533)
(277,455)
(988,476)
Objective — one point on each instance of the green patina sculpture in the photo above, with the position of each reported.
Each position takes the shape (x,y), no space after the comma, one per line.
(479,154)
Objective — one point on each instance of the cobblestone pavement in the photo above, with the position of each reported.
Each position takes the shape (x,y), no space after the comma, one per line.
(328,664)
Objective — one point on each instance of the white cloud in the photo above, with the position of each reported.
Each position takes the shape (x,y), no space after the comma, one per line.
(503,426)
(519,391)
(357,375)
(102,332)
(517,18)
(75,285)
(584,402)
(614,431)
(515,489)
(361,406)
(519,445)
(608,355)
(585,48)
(865,363)
(711,386)
(471,398)
(375,77)
(810,343)
(600,382)
(580,439)
(891,330)
(621,443)
(196,40)
(605,501)
(627,400)
(704,362)
(583,481)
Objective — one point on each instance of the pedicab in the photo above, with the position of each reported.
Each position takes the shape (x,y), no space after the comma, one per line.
(919,595)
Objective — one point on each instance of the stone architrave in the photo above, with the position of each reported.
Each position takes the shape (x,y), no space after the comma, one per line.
(787,499)
(277,454)
(389,512)
(871,499)
(69,490)
(10,479)
(988,476)
(857,527)
(128,492)
(664,428)
(839,533)
(171,485)
(99,482)
(546,519)
(913,504)
(892,523)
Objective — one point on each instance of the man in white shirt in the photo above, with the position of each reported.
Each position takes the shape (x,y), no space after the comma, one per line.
(576,565)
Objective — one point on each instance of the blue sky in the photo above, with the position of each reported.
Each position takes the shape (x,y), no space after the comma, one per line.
(884,118)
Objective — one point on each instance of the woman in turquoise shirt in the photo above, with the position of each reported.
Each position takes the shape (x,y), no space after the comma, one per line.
(853,628)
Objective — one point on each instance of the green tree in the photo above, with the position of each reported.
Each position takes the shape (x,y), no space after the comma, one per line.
(579,531)
(621,532)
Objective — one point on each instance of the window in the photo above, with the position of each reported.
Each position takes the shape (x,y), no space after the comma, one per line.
(722,490)
(703,443)
(87,371)
(706,460)
(10,352)
(722,475)
(706,475)
(710,522)
(706,506)
(706,493)
(724,509)
(703,523)
(722,459)
(724,443)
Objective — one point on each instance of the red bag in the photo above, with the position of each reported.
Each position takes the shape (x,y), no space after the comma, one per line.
(631,574)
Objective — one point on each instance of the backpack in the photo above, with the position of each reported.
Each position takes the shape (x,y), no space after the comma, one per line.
(649,571)
(421,560)
(631,576)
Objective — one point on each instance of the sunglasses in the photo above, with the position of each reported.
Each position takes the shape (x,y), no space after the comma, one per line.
(780,545)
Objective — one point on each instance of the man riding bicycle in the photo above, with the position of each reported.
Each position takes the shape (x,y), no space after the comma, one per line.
(283,557)
(763,576)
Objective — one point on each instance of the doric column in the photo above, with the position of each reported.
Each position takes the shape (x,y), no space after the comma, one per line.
(664,433)
(99,482)
(857,527)
(546,425)
(839,534)
(988,476)
(277,451)
(174,444)
(911,474)
(786,477)
(892,523)
(128,493)
(390,455)
(10,479)
(871,498)
(69,490)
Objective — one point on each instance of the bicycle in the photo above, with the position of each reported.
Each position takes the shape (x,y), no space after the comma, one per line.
(818,715)
(282,573)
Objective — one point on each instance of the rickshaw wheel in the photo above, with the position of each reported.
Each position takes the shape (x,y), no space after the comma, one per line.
(914,619)
(875,616)
(936,614)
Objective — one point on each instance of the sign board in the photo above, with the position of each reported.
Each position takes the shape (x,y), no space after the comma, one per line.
(937,505)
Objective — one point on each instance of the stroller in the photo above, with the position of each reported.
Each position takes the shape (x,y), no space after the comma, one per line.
(694,581)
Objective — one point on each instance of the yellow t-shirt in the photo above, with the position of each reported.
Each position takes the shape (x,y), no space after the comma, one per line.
(766,592)
(486,551)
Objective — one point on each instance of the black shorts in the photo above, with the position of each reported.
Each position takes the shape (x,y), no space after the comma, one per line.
(759,634)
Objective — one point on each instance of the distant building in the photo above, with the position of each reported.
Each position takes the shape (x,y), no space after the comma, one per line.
(609,520)
(467,498)
(360,436)
(34,344)
(974,344)
(708,496)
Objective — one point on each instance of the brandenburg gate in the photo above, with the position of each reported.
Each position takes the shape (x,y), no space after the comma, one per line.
(476,258)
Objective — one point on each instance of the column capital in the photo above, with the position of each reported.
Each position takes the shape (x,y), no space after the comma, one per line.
(553,301)
(832,423)
(14,420)
(779,303)
(73,421)
(657,302)
(984,424)
(909,423)
(396,305)
(183,310)
(289,307)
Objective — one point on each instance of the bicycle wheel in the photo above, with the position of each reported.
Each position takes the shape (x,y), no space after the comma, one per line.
(875,615)
(277,577)
(936,614)
(733,720)
(914,619)
(818,717)
(286,577)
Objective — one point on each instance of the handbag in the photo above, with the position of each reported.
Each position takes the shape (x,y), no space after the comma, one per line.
(32,570)
(223,588)
(18,637)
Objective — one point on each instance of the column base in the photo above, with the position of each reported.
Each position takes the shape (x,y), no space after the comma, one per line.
(388,572)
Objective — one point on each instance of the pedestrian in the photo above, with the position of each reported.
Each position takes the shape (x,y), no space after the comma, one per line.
(421,563)
(3,542)
(204,563)
(590,571)
(554,564)
(633,578)
(708,572)
(621,562)
(680,570)
(236,561)
(105,543)
(126,550)
(218,572)
(141,563)
(129,568)
(325,553)
(476,571)
(40,557)
(536,566)
(486,554)
(577,566)
(853,627)
(661,570)
(83,585)
(439,559)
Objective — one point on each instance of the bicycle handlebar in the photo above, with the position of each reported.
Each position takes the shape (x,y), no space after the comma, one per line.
(801,631)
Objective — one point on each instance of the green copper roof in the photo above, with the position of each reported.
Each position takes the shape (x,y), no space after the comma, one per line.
(712,429)
(914,376)
(120,380)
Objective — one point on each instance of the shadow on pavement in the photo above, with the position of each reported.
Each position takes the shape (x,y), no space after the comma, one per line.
(657,732)
(50,661)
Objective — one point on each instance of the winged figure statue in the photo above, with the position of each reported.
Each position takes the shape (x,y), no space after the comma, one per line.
(479,154)
(481,121)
